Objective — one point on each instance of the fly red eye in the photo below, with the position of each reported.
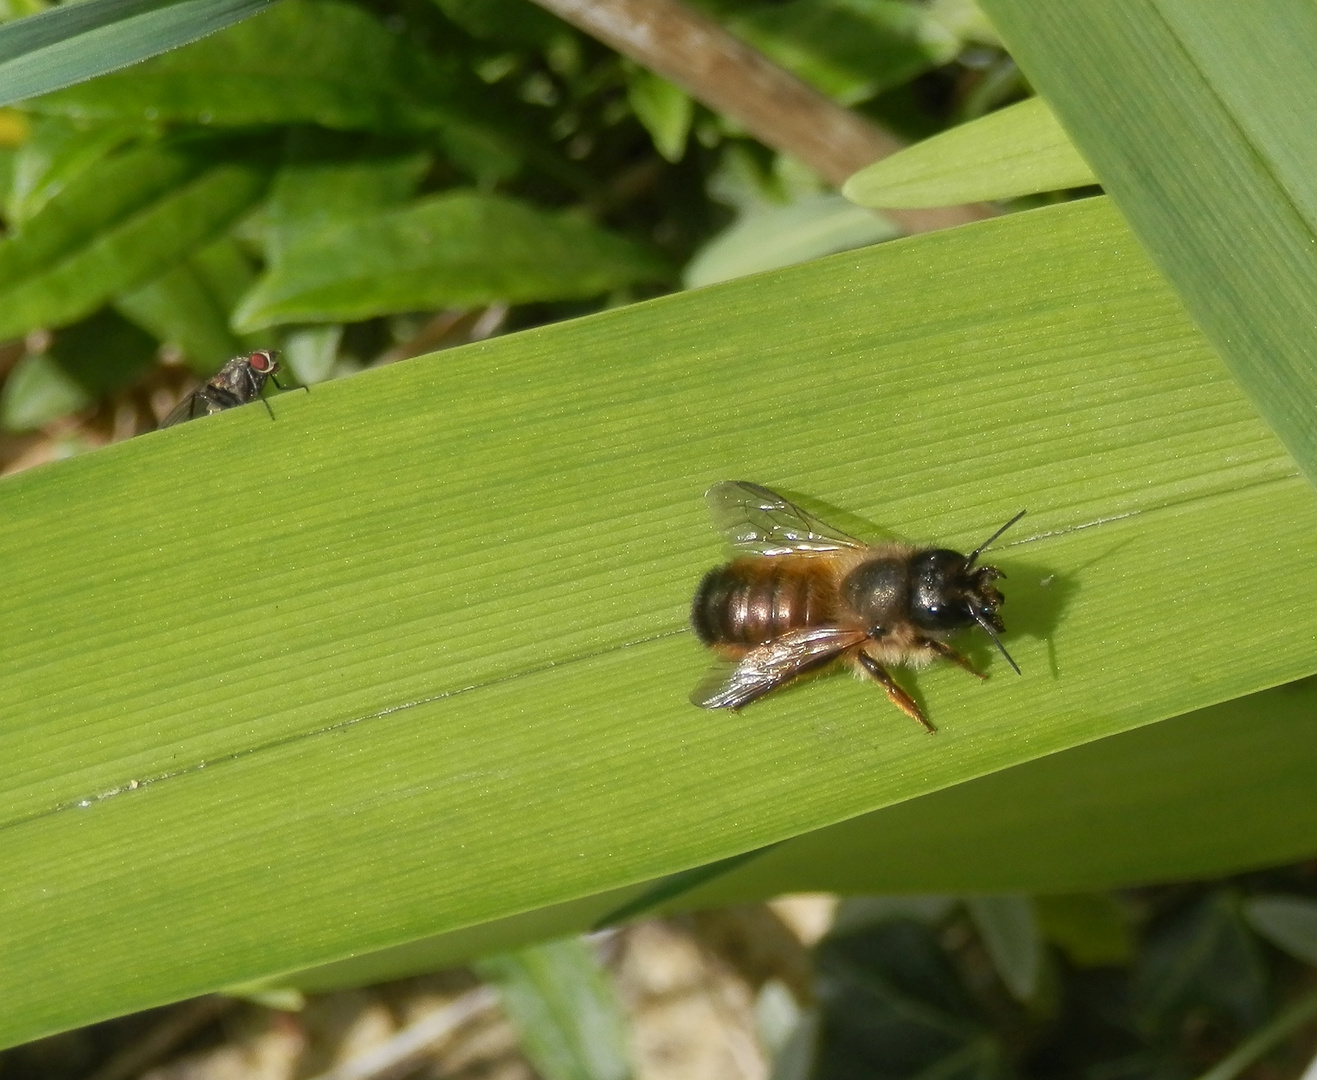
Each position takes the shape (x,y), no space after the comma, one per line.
(260,361)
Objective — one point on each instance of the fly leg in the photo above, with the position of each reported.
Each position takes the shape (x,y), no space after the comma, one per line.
(946,652)
(899,697)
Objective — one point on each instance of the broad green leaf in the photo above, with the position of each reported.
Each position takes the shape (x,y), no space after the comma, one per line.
(770,237)
(322,62)
(411,657)
(1195,118)
(83,363)
(97,201)
(188,305)
(461,248)
(310,352)
(121,258)
(564,1008)
(664,109)
(327,177)
(1009,932)
(519,23)
(55,152)
(103,353)
(891,1004)
(850,49)
(70,43)
(1018,150)
(38,391)
(1092,929)
(1288,922)
(1161,803)
(1200,959)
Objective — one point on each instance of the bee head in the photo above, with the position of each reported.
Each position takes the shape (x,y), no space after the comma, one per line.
(950,592)
(981,599)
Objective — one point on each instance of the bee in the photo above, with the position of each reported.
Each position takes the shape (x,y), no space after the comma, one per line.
(239,381)
(801,594)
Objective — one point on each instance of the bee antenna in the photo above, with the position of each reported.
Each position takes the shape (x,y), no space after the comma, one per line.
(993,633)
(969,565)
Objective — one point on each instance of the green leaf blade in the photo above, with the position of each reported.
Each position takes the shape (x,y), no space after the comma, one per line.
(1018,150)
(473,653)
(1194,118)
(70,44)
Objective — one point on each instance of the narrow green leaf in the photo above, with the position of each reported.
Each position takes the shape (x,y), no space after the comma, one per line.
(564,1008)
(461,248)
(1009,933)
(74,42)
(770,237)
(1196,119)
(1288,922)
(1018,150)
(1294,1017)
(1161,803)
(411,657)
(1168,802)
(142,247)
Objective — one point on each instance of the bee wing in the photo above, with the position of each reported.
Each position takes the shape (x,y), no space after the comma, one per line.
(768,666)
(756,520)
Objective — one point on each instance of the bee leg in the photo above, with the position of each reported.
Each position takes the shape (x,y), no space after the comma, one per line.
(898,697)
(942,649)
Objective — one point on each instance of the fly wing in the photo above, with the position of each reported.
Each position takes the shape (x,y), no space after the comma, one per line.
(773,664)
(761,522)
(189,408)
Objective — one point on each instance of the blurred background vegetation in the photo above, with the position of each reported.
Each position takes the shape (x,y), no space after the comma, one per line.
(355,183)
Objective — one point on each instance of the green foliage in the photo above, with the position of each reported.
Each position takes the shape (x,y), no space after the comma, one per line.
(434,617)
(1203,144)
(565,1009)
(474,629)
(1018,150)
(909,992)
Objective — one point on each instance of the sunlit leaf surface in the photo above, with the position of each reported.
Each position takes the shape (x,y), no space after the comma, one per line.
(1196,119)
(412,657)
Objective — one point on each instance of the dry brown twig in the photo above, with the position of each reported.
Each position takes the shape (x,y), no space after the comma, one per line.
(730,77)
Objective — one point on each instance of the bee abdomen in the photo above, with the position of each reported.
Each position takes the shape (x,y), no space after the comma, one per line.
(751,601)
